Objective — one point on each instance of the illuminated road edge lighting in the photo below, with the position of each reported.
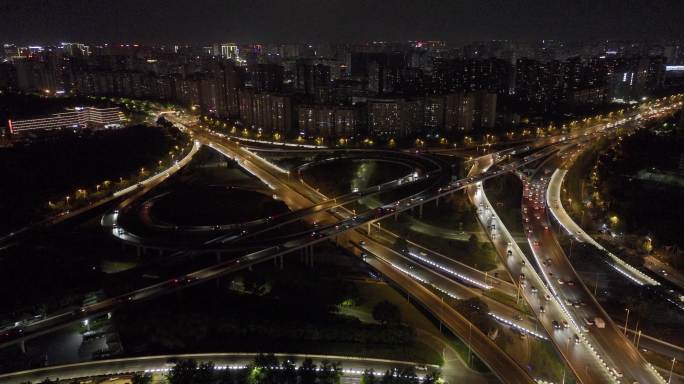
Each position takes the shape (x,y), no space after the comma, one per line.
(517,326)
(557,210)
(450,271)
(610,374)
(240,163)
(272,165)
(280,143)
(165,172)
(349,371)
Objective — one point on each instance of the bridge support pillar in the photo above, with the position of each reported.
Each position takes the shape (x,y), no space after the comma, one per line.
(437,202)
(369,229)
(311,256)
(138,250)
(22,346)
(396,216)
(420,211)
(218,256)
(282,262)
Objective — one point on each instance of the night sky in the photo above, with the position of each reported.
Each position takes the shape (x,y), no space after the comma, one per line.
(198,21)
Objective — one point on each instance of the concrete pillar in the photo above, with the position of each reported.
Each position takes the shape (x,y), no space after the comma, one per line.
(420,211)
(22,346)
(437,202)
(369,228)
(312,256)
(282,263)
(218,256)
(138,251)
(396,215)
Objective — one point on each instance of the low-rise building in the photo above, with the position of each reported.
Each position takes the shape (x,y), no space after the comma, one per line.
(78,118)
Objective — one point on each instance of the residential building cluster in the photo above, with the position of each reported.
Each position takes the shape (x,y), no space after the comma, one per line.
(344,90)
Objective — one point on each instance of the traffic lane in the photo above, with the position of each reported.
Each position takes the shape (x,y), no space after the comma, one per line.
(665,270)
(556,208)
(459,290)
(609,339)
(502,364)
(471,273)
(581,362)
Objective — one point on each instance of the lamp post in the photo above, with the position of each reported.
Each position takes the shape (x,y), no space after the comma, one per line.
(626,319)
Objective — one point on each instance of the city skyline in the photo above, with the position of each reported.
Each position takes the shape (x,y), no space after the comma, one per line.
(341,192)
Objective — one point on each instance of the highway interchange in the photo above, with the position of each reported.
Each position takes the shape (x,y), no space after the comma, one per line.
(564,310)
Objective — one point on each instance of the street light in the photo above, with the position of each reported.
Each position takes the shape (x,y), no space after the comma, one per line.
(626,319)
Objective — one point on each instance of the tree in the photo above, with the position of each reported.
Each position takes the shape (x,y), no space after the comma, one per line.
(401,244)
(307,372)
(288,372)
(473,245)
(386,313)
(368,376)
(330,372)
(388,377)
(432,377)
(226,377)
(407,376)
(141,378)
(264,370)
(204,374)
(476,311)
(183,372)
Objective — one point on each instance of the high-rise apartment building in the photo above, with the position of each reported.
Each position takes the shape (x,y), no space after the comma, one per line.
(327,120)
(267,77)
